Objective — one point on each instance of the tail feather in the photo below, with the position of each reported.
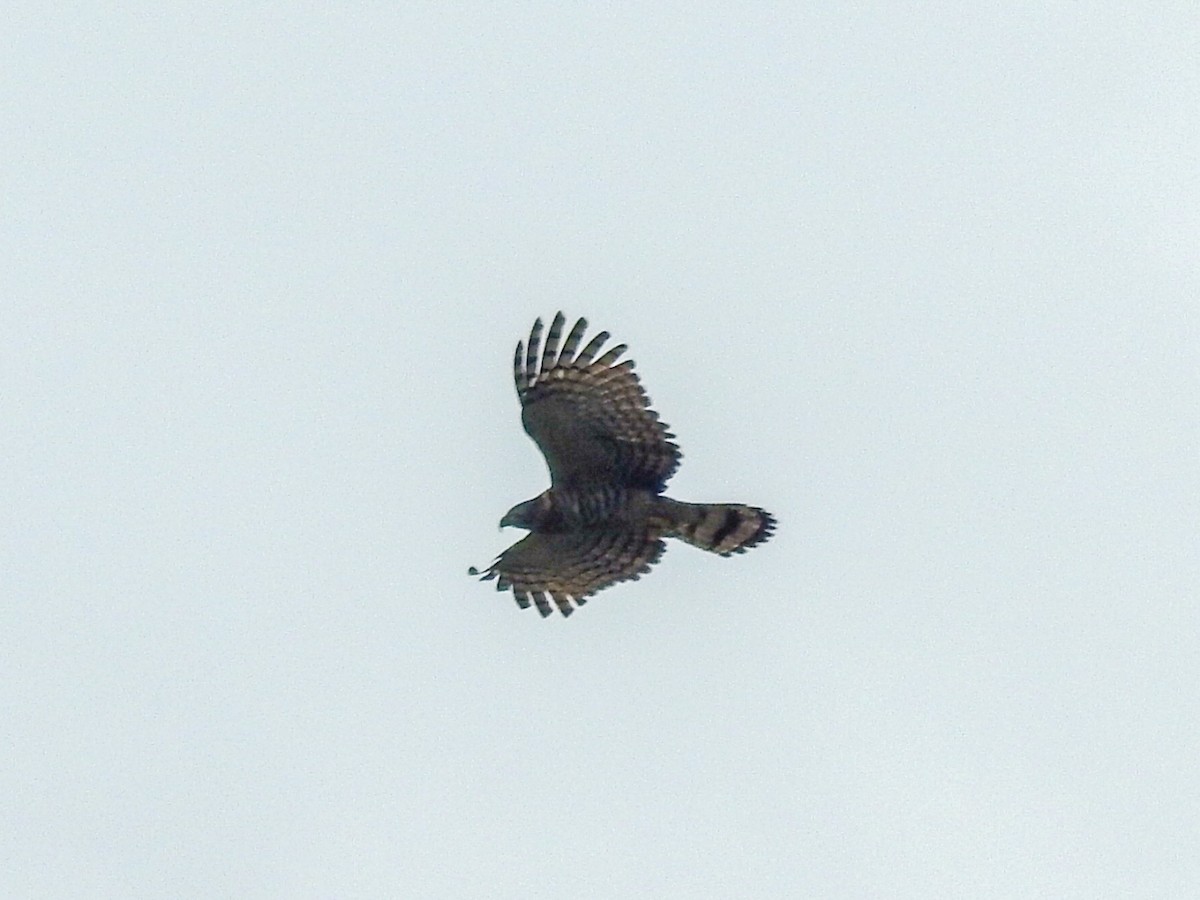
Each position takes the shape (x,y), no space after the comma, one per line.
(722,528)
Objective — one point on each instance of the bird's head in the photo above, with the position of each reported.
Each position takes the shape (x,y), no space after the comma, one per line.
(526,515)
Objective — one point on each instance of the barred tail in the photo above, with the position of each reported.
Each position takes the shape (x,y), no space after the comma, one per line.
(722,528)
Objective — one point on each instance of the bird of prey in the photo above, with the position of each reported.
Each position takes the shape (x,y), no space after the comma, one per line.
(604,517)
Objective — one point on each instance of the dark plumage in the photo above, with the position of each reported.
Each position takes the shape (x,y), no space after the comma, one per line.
(603,518)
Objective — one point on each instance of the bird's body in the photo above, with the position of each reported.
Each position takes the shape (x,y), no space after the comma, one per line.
(604,516)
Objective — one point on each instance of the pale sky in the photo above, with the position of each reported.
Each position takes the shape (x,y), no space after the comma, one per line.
(922,280)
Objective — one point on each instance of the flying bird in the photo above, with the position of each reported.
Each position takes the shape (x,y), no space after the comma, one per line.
(604,517)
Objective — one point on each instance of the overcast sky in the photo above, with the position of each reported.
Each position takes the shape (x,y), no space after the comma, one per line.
(922,280)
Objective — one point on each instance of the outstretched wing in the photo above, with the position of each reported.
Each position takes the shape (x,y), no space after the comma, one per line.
(568,568)
(590,417)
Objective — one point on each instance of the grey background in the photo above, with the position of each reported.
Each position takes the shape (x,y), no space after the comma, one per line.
(920,279)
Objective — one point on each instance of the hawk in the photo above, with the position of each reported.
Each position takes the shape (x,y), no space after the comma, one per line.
(604,517)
